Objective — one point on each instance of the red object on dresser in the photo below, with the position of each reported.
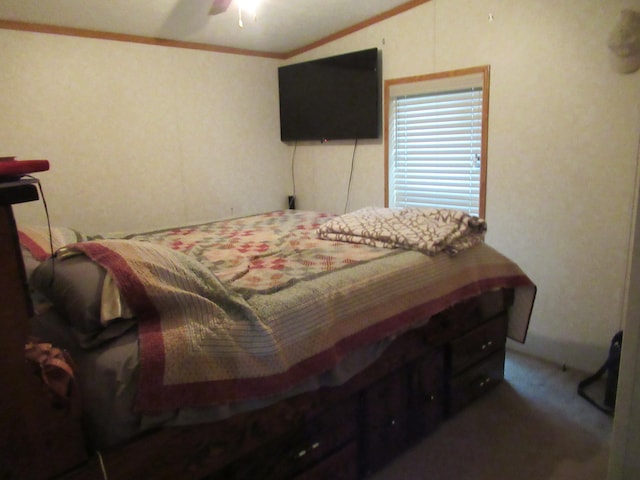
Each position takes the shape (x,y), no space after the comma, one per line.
(10,168)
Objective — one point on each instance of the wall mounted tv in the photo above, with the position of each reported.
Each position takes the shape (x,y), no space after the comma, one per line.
(331,98)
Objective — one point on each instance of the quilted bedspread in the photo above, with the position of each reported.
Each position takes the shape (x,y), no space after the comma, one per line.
(263,252)
(244,308)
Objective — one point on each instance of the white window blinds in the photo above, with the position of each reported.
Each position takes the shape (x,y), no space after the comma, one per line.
(435,141)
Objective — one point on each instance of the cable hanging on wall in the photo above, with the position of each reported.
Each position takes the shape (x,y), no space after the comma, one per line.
(292,198)
(353,157)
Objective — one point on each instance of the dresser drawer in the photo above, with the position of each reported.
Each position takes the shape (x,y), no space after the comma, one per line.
(452,322)
(426,395)
(474,382)
(298,451)
(384,423)
(478,343)
(342,465)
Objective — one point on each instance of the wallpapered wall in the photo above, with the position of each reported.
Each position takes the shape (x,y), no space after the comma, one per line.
(141,137)
(563,140)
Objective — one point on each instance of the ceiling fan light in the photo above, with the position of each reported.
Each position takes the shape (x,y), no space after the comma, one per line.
(249,6)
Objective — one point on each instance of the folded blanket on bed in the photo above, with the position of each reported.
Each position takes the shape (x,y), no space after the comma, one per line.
(427,230)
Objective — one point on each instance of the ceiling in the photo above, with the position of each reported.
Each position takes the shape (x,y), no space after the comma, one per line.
(281,27)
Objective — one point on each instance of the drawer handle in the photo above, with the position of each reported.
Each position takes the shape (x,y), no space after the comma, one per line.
(486,345)
(428,398)
(304,451)
(485,382)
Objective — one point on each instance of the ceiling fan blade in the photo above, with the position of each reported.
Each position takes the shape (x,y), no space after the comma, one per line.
(219,6)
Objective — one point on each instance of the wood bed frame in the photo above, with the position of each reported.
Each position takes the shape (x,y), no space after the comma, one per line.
(345,432)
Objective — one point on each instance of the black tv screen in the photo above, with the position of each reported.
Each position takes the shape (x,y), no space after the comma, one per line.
(331,98)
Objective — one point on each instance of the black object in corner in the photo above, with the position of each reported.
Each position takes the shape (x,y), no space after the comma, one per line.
(611,367)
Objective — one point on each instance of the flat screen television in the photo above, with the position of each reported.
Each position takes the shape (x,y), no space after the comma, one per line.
(331,98)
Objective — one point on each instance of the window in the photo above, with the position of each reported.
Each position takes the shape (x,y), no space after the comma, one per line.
(436,140)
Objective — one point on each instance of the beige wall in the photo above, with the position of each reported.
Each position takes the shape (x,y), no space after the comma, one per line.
(141,136)
(563,136)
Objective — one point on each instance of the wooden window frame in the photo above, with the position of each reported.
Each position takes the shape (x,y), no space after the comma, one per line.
(485,72)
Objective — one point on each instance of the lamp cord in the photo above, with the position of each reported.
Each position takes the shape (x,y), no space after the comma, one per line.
(46,212)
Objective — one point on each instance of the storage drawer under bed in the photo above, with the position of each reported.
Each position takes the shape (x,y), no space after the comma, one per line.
(474,382)
(341,465)
(478,344)
(306,447)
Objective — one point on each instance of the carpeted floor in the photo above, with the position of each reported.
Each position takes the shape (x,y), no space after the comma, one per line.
(533,426)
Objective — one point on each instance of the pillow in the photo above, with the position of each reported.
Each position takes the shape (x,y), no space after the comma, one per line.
(82,291)
(36,239)
(115,329)
(49,324)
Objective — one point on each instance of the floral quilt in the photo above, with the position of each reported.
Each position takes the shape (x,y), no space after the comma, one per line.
(263,252)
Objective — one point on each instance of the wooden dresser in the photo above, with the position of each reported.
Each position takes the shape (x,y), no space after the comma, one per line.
(34,437)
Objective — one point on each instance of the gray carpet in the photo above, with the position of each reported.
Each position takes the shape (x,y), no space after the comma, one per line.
(533,426)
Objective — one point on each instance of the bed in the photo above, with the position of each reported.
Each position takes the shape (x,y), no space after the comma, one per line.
(288,344)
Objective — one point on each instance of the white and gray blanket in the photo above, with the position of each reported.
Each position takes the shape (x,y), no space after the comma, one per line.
(427,230)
